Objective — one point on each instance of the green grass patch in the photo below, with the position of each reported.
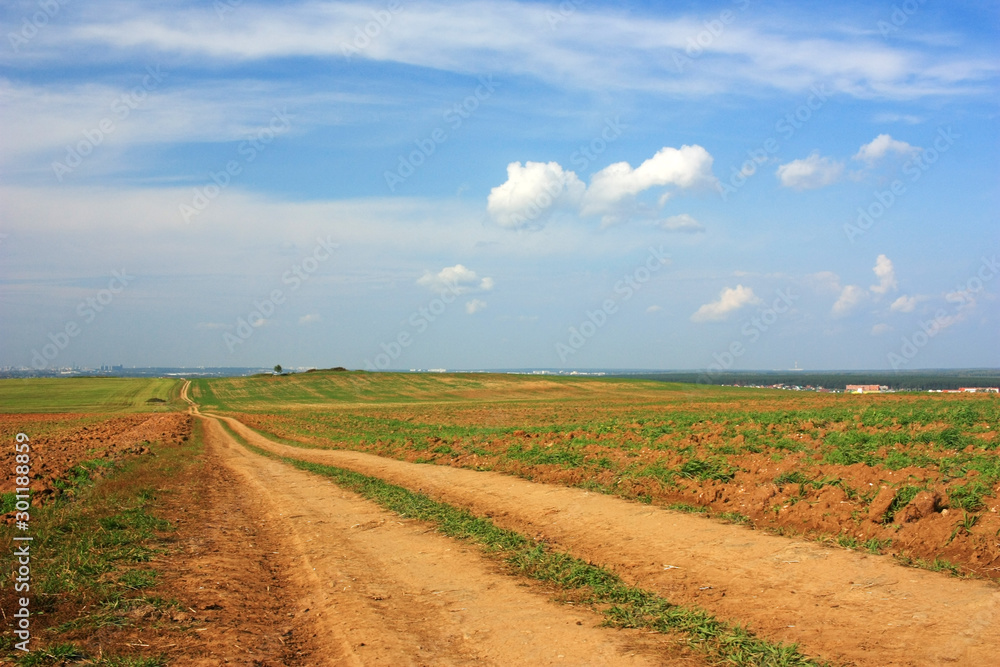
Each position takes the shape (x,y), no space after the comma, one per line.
(703,469)
(90,558)
(969,496)
(87,394)
(688,508)
(877,546)
(68,653)
(536,455)
(735,517)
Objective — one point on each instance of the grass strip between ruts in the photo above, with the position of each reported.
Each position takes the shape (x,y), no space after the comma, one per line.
(623,605)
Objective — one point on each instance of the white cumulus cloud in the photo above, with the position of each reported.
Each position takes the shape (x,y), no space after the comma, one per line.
(880,329)
(886,275)
(616,184)
(810,173)
(730,299)
(455,279)
(474,306)
(311,318)
(532,192)
(682,223)
(904,304)
(850,297)
(880,146)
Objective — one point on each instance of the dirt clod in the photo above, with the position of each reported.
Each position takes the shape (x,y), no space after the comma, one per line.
(880,505)
(924,504)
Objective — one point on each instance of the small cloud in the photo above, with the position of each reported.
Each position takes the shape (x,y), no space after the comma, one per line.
(904,304)
(880,146)
(455,279)
(212,326)
(311,318)
(474,306)
(654,309)
(730,299)
(909,119)
(886,275)
(880,329)
(850,297)
(826,281)
(810,173)
(683,223)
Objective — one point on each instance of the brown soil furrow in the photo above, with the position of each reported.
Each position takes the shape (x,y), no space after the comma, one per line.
(386,591)
(842,605)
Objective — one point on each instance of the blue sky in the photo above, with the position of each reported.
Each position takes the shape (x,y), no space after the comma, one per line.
(490,184)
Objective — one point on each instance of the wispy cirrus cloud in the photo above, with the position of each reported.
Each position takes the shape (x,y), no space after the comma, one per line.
(599,48)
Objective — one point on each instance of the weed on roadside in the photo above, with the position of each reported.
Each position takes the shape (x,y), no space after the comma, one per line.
(91,574)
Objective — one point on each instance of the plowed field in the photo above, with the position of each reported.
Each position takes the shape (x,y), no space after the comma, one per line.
(913,475)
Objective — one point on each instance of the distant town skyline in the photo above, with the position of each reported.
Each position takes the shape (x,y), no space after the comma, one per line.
(391,185)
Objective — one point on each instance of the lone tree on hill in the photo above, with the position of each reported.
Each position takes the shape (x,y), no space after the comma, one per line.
(277,369)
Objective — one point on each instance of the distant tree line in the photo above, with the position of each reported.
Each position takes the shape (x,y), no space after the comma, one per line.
(899,381)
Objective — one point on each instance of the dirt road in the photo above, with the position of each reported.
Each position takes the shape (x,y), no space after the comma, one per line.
(843,606)
(385,591)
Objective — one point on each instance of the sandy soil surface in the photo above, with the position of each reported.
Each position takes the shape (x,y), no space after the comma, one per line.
(229,568)
(840,605)
(371,589)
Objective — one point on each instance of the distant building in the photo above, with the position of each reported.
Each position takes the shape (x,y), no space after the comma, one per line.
(980,390)
(866,388)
